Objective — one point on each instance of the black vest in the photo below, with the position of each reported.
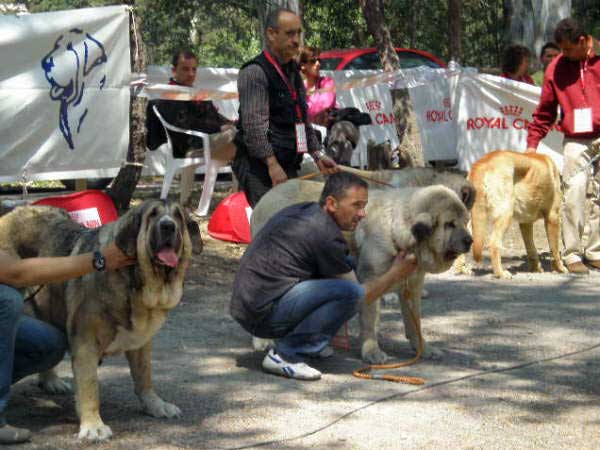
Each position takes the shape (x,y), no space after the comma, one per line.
(282,109)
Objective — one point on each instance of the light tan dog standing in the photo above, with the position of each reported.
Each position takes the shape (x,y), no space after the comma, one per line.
(105,313)
(524,187)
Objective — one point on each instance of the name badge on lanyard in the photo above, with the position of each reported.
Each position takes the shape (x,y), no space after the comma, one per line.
(582,119)
(301,144)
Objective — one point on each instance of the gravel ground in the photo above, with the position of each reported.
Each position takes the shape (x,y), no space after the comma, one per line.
(518,371)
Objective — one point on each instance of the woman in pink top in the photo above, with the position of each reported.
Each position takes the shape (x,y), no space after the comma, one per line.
(515,64)
(320,91)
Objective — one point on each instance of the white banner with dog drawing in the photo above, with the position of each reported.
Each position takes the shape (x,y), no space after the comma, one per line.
(64,93)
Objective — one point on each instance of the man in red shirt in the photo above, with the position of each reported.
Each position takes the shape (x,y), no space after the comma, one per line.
(572,82)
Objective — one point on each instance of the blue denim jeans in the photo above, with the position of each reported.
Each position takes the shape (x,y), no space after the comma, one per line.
(308,316)
(27,345)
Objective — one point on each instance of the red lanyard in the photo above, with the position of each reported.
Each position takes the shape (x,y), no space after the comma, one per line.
(582,69)
(286,81)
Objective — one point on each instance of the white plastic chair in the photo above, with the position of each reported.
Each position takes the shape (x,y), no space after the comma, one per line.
(174,165)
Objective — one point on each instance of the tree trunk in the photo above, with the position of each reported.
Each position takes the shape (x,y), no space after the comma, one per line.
(124,184)
(454,31)
(406,123)
(374,17)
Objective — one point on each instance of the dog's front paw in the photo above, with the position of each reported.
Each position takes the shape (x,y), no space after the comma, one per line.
(503,274)
(559,267)
(536,266)
(95,432)
(261,345)
(372,354)
(157,407)
(461,266)
(52,384)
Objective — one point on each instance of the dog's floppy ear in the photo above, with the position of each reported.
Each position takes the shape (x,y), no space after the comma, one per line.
(129,227)
(467,195)
(423,227)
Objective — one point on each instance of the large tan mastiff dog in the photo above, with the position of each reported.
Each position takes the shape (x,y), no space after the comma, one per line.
(105,313)
(522,186)
(430,222)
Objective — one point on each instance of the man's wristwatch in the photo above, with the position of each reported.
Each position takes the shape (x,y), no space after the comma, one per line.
(99,261)
(318,155)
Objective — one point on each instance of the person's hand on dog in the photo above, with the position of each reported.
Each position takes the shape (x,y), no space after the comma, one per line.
(404,264)
(327,166)
(115,258)
(530,150)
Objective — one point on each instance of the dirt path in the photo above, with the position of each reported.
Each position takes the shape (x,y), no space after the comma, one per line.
(519,371)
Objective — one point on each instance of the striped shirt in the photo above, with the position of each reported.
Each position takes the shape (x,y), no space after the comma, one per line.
(253,90)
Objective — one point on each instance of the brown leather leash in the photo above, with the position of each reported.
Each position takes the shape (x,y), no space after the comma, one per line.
(349,170)
(363,372)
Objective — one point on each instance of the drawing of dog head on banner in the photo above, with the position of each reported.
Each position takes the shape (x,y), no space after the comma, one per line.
(68,68)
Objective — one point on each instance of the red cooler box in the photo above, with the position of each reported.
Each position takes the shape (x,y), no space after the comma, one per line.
(91,208)
(231,219)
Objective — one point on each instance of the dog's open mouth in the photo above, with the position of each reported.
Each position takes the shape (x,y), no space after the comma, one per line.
(167,256)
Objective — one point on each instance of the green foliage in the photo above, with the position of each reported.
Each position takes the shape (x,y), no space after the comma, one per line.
(220,33)
(327,28)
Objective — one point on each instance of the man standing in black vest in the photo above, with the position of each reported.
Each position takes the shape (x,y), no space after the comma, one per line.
(273,129)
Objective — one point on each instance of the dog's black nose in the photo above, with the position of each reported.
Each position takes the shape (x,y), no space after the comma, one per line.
(468,240)
(167,226)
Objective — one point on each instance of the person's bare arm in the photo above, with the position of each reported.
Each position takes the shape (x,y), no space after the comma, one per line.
(33,271)
(404,264)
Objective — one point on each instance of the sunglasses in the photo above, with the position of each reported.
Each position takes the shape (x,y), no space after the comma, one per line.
(313,60)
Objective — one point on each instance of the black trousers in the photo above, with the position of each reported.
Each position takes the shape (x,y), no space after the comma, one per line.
(253,174)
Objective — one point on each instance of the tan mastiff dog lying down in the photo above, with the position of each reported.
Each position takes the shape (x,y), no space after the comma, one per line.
(430,222)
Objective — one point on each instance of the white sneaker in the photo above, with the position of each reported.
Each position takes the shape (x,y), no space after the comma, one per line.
(300,371)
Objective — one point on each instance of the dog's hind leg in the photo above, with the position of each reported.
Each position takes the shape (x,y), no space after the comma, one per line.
(140,366)
(499,226)
(552,224)
(50,382)
(532,255)
(85,359)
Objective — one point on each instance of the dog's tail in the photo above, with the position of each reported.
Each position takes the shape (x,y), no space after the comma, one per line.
(478,215)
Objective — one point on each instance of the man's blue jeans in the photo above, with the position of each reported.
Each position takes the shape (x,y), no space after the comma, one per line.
(27,345)
(308,316)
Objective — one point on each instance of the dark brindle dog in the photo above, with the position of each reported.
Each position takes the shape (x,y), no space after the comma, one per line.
(104,313)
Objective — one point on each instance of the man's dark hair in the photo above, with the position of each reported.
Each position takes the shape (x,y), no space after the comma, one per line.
(568,30)
(186,53)
(272,19)
(548,45)
(337,185)
(513,56)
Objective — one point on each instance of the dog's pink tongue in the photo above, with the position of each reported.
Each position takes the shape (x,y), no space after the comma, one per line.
(168,257)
